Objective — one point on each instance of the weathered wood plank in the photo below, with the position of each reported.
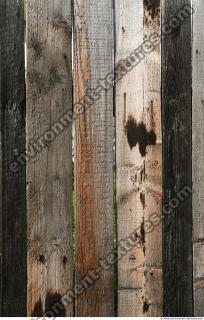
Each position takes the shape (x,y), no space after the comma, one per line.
(93,47)
(198,155)
(177,162)
(13,199)
(129,163)
(152,193)
(49,173)
(138,158)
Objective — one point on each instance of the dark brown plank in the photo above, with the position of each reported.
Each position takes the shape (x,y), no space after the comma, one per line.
(13,188)
(177,161)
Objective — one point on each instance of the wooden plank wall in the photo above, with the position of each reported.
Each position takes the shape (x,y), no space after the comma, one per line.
(198,156)
(49,173)
(158,105)
(138,162)
(177,163)
(93,59)
(12,104)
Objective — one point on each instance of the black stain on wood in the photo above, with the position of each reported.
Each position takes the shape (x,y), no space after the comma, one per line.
(142,237)
(143,174)
(153,7)
(41,258)
(137,133)
(64,260)
(151,12)
(142,199)
(142,233)
(132,258)
(38,309)
(146,306)
(54,304)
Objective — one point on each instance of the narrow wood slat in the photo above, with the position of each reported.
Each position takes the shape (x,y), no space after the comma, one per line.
(152,192)
(138,159)
(129,163)
(49,172)
(93,48)
(198,156)
(177,163)
(13,200)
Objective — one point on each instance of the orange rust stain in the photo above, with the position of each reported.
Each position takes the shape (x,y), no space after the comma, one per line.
(86,251)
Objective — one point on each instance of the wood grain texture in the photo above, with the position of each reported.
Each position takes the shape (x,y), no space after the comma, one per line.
(12,104)
(152,193)
(138,165)
(130,302)
(198,155)
(49,173)
(177,163)
(129,163)
(93,49)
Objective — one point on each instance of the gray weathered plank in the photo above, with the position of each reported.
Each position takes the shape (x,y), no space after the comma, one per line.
(198,155)
(12,185)
(177,162)
(93,48)
(49,173)
(138,160)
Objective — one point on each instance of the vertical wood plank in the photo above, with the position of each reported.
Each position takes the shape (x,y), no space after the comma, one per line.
(129,163)
(49,172)
(177,162)
(152,191)
(198,156)
(93,47)
(13,199)
(138,158)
